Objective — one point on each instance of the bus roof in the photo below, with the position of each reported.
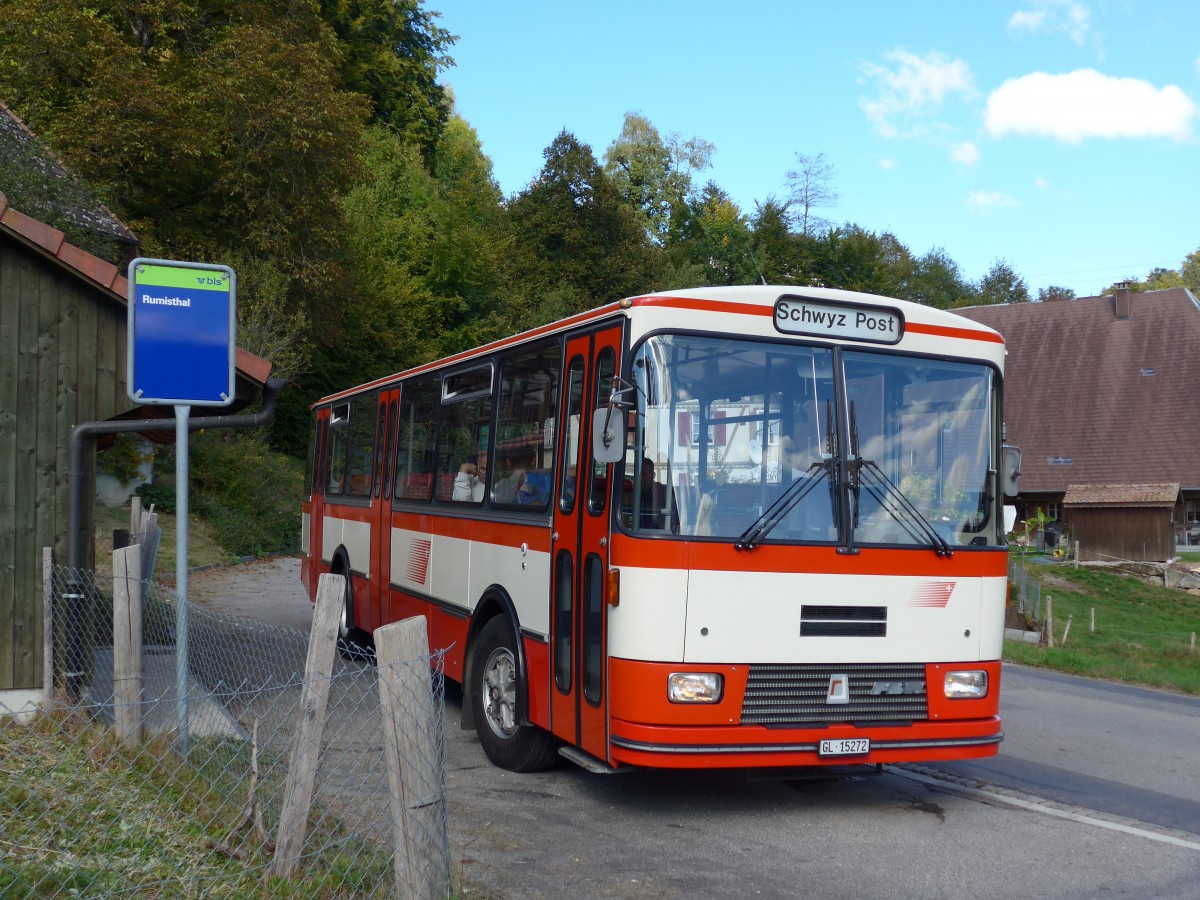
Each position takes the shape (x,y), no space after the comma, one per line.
(709,307)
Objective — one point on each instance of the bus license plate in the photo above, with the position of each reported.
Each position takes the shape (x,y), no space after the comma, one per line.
(845,747)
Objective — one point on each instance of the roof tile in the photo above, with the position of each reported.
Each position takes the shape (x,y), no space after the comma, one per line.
(1093,399)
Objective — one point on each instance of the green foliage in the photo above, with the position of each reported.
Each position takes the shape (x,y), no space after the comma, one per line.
(1002,284)
(655,176)
(248,495)
(1054,292)
(573,233)
(391,52)
(124,459)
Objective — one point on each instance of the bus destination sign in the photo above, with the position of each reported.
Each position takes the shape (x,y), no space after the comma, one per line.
(830,319)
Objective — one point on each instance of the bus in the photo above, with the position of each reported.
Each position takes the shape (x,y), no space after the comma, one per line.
(753,527)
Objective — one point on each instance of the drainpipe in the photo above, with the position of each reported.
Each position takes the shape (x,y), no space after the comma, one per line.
(73,596)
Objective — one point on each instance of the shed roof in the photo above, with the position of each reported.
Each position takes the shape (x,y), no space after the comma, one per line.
(1121,495)
(1100,392)
(63,194)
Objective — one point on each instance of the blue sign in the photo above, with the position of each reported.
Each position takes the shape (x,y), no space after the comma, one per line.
(181,333)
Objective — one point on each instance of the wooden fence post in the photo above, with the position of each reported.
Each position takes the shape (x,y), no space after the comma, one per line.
(48,626)
(421,843)
(306,745)
(127,644)
(1049,621)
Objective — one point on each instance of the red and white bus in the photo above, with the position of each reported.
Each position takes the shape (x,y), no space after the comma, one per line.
(723,527)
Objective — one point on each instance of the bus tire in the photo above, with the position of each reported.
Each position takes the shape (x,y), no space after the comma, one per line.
(493,694)
(353,643)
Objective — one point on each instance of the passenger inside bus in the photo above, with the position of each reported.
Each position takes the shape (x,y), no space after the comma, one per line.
(469,482)
(522,485)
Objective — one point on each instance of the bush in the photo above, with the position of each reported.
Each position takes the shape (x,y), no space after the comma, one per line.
(248,493)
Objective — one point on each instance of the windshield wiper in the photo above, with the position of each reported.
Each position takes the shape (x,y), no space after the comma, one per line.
(892,499)
(784,503)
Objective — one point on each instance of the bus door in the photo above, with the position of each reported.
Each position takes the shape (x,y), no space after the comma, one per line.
(316,504)
(381,508)
(579,567)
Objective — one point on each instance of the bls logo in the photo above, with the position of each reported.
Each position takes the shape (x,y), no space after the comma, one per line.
(216,280)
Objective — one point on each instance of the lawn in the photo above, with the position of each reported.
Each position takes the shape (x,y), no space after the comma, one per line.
(1144,633)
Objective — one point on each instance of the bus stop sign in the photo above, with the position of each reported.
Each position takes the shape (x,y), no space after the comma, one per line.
(181,333)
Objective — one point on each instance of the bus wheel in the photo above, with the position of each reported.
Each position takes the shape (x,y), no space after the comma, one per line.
(507,743)
(353,643)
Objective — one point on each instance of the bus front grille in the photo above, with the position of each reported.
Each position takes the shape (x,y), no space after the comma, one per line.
(796,695)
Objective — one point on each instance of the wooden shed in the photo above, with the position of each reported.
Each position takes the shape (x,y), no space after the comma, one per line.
(1112,522)
(63,318)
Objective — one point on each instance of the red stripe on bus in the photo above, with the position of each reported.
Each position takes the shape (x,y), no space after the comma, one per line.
(721,556)
(749,309)
(720,306)
(553,327)
(966,334)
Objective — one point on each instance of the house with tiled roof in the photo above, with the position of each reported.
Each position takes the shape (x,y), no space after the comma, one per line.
(1101,397)
(63,319)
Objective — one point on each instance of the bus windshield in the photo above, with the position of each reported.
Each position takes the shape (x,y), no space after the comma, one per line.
(762,442)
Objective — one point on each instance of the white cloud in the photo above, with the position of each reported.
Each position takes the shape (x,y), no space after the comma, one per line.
(887,164)
(1041,183)
(1087,104)
(907,92)
(965,154)
(984,202)
(1067,16)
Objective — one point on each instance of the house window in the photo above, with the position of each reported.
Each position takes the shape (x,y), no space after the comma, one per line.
(1192,512)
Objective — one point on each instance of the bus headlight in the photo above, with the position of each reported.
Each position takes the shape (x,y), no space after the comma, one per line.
(968,685)
(694,687)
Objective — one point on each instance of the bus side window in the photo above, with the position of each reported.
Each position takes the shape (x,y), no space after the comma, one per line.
(605,370)
(415,441)
(525,440)
(338,424)
(310,462)
(361,446)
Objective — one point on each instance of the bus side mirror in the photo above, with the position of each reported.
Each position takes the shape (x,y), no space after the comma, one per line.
(608,434)
(1012,470)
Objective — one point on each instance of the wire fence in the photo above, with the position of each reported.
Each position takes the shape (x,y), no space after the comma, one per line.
(86,809)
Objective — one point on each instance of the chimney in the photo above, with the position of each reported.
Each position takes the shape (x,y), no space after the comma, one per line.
(1122,300)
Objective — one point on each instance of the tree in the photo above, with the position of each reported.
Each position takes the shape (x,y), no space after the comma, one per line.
(1002,285)
(718,239)
(576,239)
(391,52)
(209,125)
(854,259)
(1160,279)
(1054,292)
(938,282)
(810,185)
(655,176)
(1190,272)
(783,256)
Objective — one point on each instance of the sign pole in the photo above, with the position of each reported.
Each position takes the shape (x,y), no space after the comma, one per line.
(181,571)
(182,319)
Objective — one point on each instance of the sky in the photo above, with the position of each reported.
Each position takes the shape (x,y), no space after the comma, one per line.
(1062,136)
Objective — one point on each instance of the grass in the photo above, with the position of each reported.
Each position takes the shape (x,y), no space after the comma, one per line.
(87,817)
(203,547)
(1142,636)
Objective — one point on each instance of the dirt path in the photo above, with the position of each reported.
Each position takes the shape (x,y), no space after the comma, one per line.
(267,589)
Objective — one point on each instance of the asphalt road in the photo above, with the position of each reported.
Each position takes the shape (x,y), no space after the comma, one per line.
(1093,794)
(1122,750)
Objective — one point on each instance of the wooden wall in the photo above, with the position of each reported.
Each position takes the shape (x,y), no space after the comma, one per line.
(62,361)
(1143,533)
